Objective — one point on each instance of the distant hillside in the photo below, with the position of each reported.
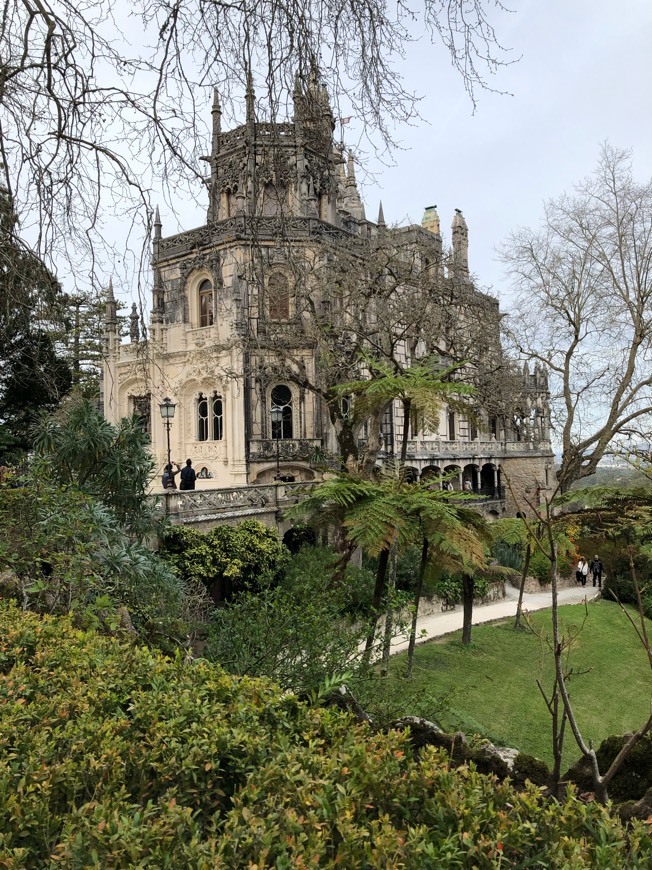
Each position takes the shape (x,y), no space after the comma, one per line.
(623,477)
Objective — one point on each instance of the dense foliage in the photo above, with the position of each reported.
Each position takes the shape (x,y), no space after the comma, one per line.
(228,559)
(113,464)
(61,551)
(114,756)
(510,538)
(33,376)
(298,632)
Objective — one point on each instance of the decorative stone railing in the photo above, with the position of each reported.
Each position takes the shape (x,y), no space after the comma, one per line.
(241,501)
(435,447)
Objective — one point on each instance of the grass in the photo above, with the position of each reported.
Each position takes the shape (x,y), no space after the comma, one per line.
(490,686)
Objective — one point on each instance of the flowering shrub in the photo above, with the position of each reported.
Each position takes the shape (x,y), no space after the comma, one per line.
(112,755)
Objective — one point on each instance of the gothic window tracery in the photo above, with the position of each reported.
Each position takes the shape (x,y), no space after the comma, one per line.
(218,418)
(210,417)
(282,400)
(206,303)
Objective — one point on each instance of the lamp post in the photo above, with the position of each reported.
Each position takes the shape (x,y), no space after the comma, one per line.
(277,423)
(168,408)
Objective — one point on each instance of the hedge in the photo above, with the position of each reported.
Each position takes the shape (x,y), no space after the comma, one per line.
(112,755)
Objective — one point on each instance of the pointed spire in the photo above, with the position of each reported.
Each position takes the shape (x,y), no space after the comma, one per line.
(216,112)
(352,201)
(157,224)
(111,311)
(250,96)
(381,216)
(134,329)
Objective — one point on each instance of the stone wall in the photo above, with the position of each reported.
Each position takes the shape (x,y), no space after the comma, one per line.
(528,481)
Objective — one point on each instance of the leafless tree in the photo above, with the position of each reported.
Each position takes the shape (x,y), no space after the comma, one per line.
(583,308)
(363,308)
(103,101)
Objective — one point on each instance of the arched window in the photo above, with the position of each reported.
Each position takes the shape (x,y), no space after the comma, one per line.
(218,418)
(282,400)
(202,418)
(206,303)
(278,298)
(210,418)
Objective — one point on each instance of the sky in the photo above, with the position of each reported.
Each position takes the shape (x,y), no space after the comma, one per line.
(582,75)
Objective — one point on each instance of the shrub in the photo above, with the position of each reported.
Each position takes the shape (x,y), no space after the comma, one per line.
(63,552)
(113,756)
(228,559)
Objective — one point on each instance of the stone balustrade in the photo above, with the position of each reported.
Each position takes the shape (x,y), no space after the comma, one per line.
(208,505)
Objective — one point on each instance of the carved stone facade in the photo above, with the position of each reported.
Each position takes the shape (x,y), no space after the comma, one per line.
(277,194)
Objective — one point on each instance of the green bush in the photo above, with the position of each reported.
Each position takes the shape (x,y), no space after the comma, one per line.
(63,552)
(114,756)
(228,560)
(449,589)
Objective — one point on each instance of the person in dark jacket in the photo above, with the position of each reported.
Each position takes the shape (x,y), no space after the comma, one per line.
(188,476)
(167,478)
(596,571)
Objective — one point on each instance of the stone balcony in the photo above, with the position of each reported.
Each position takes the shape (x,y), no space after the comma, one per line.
(238,502)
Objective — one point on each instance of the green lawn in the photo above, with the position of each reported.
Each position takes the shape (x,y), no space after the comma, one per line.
(492,683)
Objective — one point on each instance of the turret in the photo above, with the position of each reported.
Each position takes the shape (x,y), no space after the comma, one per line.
(430,220)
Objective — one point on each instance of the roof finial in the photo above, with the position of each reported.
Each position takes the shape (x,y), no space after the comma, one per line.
(134,329)
(157,224)
(381,216)
(250,98)
(350,168)
(216,112)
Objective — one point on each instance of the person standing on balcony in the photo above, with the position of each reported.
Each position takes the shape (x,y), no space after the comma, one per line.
(167,478)
(188,476)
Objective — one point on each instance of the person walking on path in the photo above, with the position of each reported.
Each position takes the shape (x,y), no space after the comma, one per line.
(596,571)
(582,571)
(188,476)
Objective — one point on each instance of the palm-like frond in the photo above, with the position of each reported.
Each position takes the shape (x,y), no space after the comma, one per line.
(424,384)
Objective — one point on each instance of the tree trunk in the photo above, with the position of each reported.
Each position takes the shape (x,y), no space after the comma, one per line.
(407,405)
(379,590)
(389,617)
(417,601)
(526,568)
(468,588)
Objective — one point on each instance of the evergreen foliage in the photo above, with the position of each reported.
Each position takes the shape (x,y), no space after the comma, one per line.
(228,560)
(112,464)
(114,756)
(33,375)
(63,552)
